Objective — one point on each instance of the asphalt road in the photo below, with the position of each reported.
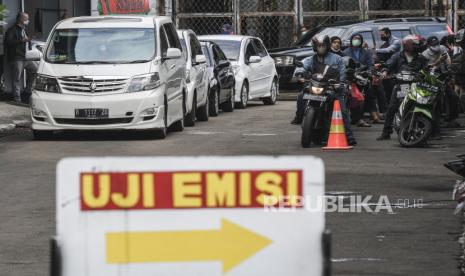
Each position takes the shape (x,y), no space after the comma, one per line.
(411,241)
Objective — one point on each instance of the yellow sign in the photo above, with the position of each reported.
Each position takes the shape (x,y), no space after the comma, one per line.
(232,244)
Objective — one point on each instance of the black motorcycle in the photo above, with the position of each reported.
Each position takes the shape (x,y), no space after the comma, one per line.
(319,95)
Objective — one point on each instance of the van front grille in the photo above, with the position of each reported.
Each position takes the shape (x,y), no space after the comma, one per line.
(92,85)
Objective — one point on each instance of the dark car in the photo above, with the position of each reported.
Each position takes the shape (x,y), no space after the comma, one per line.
(400,28)
(221,78)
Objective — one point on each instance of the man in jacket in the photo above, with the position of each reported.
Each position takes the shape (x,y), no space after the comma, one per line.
(16,40)
(320,62)
(409,58)
(390,46)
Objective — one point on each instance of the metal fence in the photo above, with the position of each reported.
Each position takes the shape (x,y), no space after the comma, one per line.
(278,22)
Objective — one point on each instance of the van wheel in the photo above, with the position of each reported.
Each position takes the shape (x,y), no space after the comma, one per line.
(179,125)
(41,135)
(228,106)
(189,120)
(203,111)
(244,96)
(215,103)
(271,100)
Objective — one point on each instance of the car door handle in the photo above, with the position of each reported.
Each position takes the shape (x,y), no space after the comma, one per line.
(172,66)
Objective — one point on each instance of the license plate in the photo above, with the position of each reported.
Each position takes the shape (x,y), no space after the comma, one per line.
(91,113)
(312,97)
(404,89)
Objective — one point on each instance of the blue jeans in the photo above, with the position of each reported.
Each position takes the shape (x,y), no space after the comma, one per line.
(340,95)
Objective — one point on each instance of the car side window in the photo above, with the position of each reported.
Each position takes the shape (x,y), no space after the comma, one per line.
(196,49)
(163,42)
(260,48)
(400,33)
(250,51)
(368,38)
(172,36)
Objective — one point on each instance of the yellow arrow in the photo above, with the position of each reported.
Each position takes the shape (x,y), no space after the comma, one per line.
(231,244)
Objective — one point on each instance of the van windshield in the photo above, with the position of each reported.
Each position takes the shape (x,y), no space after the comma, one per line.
(100,46)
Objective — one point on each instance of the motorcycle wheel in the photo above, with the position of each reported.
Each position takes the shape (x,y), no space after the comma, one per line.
(308,132)
(422,128)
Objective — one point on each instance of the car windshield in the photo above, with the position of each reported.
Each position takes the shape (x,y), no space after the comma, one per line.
(331,31)
(231,48)
(94,46)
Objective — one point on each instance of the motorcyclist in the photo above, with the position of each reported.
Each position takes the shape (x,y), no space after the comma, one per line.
(458,67)
(363,57)
(409,57)
(439,61)
(317,64)
(336,44)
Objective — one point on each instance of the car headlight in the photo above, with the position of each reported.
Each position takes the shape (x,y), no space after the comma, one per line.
(317,90)
(284,61)
(144,83)
(46,84)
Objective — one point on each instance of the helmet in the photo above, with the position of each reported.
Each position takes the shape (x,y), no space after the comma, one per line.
(460,38)
(411,43)
(321,44)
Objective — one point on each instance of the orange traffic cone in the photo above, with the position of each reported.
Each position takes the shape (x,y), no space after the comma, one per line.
(337,135)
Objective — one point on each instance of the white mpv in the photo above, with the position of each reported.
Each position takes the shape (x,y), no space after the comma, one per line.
(110,72)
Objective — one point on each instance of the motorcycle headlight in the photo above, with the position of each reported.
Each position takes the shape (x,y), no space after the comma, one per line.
(46,84)
(422,100)
(284,61)
(317,90)
(144,83)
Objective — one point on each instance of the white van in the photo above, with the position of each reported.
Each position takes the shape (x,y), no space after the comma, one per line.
(110,72)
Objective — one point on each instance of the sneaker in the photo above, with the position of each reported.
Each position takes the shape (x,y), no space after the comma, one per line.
(297,120)
(384,136)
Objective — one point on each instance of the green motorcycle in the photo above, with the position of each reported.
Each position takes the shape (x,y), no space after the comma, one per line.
(414,120)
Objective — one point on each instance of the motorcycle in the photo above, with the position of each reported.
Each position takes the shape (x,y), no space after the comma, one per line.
(414,120)
(319,95)
(458,167)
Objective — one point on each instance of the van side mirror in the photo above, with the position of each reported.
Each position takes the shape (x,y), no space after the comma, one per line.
(40,48)
(255,59)
(200,59)
(173,53)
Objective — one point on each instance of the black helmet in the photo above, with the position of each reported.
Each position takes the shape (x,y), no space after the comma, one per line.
(321,44)
(460,37)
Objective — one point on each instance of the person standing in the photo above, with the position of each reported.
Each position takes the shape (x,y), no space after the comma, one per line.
(388,48)
(16,40)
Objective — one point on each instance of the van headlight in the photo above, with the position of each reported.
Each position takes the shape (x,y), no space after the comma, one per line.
(144,83)
(46,84)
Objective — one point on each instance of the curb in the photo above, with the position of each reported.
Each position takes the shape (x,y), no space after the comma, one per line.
(6,127)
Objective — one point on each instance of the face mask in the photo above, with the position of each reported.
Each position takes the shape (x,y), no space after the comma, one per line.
(26,22)
(303,33)
(434,49)
(356,42)
(321,50)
